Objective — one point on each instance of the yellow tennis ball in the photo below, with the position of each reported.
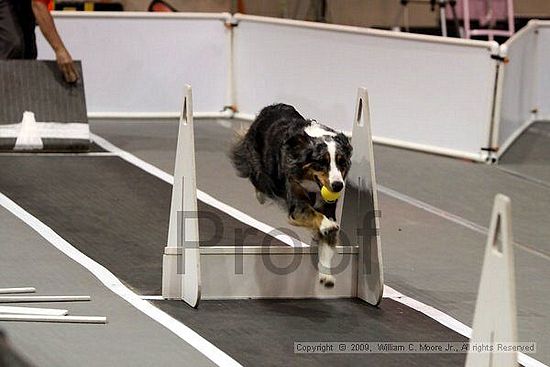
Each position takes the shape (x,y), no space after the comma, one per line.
(329,196)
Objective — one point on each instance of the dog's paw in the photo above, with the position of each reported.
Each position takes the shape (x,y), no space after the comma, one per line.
(328,226)
(327,280)
(260,197)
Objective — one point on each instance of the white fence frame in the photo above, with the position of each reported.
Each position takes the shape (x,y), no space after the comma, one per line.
(461,133)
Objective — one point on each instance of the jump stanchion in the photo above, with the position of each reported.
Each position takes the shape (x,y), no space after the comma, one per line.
(234,271)
(360,212)
(495,313)
(181,276)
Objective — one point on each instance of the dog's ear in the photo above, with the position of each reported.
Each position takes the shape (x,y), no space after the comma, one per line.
(344,143)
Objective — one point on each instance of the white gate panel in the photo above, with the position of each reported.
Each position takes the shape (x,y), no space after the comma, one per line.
(428,92)
(136,63)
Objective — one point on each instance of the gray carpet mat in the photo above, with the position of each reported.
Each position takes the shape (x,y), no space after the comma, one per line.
(263,332)
(110,210)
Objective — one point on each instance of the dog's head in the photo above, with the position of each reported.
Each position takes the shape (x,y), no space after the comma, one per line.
(322,155)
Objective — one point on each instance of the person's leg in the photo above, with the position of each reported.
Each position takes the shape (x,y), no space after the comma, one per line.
(11,37)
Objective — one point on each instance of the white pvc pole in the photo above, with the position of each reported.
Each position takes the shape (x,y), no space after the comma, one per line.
(443,20)
(17,290)
(25,299)
(32,311)
(58,319)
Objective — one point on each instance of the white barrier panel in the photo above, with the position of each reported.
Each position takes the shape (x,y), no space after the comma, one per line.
(543,65)
(135,63)
(526,82)
(429,93)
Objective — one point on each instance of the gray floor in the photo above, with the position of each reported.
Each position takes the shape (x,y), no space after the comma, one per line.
(123,227)
(129,339)
(427,257)
(530,155)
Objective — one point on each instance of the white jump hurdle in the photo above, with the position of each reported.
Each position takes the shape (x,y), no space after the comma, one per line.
(495,313)
(232,272)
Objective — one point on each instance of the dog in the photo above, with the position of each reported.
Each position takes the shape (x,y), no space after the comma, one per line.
(288,159)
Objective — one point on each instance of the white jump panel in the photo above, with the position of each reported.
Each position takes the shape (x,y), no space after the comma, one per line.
(271,272)
(136,63)
(430,93)
(192,272)
(526,82)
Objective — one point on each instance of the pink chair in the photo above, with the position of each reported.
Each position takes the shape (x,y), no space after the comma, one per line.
(487,12)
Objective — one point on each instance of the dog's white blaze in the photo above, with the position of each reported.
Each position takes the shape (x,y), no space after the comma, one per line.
(316,130)
(334,173)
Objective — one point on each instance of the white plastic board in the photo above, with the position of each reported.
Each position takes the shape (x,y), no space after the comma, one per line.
(431,93)
(137,62)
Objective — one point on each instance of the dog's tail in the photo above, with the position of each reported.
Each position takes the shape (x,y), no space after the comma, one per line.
(240,154)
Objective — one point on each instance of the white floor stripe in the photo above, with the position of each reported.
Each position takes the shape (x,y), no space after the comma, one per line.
(455,218)
(432,209)
(110,281)
(389,292)
(536,181)
(202,196)
(448,321)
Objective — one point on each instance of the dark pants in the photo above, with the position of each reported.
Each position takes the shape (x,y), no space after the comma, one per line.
(17,39)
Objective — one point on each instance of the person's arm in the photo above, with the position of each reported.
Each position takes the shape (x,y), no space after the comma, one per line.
(47,26)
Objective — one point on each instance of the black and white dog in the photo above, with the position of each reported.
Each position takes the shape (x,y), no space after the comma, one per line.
(289,159)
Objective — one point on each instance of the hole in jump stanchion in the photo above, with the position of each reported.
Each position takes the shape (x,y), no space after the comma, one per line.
(184,113)
(359,119)
(497,241)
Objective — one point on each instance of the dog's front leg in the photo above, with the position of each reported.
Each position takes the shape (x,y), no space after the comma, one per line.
(325,230)
(325,233)
(302,214)
(326,253)
(326,250)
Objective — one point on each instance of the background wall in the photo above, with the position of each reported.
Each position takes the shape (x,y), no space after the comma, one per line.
(181,5)
(139,63)
(381,13)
